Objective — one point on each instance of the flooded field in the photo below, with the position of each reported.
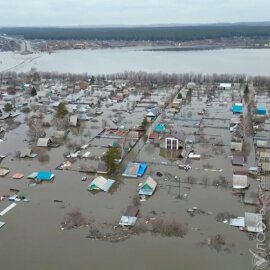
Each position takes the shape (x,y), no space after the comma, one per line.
(104,61)
(33,239)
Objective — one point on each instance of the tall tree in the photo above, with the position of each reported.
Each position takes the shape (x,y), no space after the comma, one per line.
(110,159)
(33,92)
(8,107)
(61,110)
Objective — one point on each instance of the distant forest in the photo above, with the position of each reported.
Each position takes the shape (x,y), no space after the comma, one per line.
(172,33)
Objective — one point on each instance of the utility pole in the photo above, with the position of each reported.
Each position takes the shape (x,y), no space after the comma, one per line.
(176,177)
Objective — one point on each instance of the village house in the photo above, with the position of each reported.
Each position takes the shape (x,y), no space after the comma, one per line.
(175,141)
(44,142)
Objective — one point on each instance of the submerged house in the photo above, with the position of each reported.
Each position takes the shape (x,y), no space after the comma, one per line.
(240,181)
(175,141)
(102,168)
(160,128)
(73,120)
(153,137)
(238,159)
(135,169)
(130,216)
(251,222)
(101,183)
(44,142)
(148,187)
(261,110)
(60,134)
(236,146)
(237,108)
(27,152)
(152,115)
(44,176)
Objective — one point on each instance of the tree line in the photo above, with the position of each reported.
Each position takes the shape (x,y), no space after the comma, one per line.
(135,77)
(172,33)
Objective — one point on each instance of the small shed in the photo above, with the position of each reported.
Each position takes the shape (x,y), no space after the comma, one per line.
(237,108)
(252,222)
(4,171)
(236,146)
(153,137)
(251,197)
(101,183)
(264,156)
(102,168)
(148,187)
(262,143)
(225,86)
(238,159)
(44,142)
(240,181)
(240,170)
(25,152)
(60,134)
(265,167)
(261,110)
(73,120)
(130,216)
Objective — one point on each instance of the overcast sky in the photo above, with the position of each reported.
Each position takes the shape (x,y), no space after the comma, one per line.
(129,12)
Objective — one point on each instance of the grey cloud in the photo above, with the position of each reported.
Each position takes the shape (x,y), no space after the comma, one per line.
(104,12)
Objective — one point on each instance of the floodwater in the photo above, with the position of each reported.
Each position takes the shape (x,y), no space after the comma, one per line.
(32,237)
(104,61)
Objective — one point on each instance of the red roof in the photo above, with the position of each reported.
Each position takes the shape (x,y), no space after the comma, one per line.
(153,136)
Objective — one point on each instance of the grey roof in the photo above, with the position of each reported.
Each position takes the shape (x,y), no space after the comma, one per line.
(127,221)
(73,120)
(240,181)
(2,224)
(43,142)
(102,168)
(251,197)
(25,152)
(59,134)
(132,211)
(238,159)
(178,135)
(253,222)
(131,170)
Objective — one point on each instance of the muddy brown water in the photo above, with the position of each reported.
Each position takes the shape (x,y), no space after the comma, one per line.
(32,237)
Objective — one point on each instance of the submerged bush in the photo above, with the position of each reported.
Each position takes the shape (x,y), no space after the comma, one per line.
(73,219)
(169,228)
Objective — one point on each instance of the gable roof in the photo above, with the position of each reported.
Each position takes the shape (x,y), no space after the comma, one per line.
(238,159)
(25,152)
(178,135)
(43,142)
(44,176)
(148,187)
(73,120)
(101,183)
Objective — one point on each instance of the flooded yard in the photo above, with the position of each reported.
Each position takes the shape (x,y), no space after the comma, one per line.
(33,234)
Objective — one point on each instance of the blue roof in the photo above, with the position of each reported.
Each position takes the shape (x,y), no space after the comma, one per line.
(237,108)
(261,110)
(45,176)
(160,128)
(142,169)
